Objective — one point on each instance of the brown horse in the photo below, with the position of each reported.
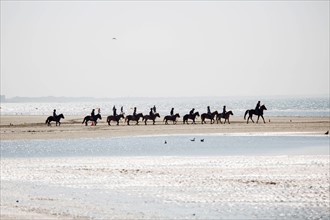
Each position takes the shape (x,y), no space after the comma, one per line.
(90,118)
(150,117)
(115,118)
(209,116)
(191,117)
(171,118)
(133,118)
(226,117)
(57,119)
(252,112)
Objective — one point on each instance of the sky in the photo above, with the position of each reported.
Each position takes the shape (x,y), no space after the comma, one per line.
(164,48)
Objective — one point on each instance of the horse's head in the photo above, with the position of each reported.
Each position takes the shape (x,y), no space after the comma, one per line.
(121,116)
(61,115)
(197,114)
(177,115)
(157,115)
(139,115)
(263,107)
(215,113)
(99,116)
(231,113)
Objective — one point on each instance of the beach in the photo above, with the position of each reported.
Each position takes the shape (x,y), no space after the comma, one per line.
(188,186)
(34,127)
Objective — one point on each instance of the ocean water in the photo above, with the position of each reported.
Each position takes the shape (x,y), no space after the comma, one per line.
(277,106)
(176,145)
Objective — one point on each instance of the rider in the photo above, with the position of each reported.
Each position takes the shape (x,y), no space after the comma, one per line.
(54,113)
(134,112)
(257,107)
(114,111)
(122,110)
(224,111)
(154,109)
(172,111)
(151,113)
(208,110)
(93,116)
(192,111)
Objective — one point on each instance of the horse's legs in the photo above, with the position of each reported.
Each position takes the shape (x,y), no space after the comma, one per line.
(258,118)
(153,122)
(263,118)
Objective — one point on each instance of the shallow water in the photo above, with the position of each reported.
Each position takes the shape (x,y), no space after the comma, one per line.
(176,145)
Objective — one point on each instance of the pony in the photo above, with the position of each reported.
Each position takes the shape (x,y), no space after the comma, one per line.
(57,119)
(150,117)
(93,119)
(209,116)
(133,118)
(225,116)
(115,118)
(171,118)
(252,112)
(191,117)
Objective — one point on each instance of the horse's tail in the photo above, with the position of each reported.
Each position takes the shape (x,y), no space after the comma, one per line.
(247,111)
(46,121)
(83,121)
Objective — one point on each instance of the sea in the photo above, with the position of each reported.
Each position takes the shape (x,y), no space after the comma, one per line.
(276,106)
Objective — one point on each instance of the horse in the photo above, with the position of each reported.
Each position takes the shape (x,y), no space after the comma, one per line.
(252,112)
(226,117)
(56,119)
(150,117)
(115,118)
(209,116)
(90,118)
(191,117)
(133,118)
(171,118)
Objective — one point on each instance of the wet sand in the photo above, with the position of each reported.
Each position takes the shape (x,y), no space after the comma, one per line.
(163,187)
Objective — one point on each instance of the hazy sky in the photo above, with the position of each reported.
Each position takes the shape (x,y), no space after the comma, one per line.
(164,48)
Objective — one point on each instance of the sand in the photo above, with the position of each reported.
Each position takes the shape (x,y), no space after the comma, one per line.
(163,187)
(33,127)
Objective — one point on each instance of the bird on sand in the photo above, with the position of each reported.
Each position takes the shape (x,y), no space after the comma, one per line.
(192,139)
(326,133)
(202,140)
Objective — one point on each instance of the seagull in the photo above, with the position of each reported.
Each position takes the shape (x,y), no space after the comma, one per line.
(192,139)
(114,38)
(326,133)
(202,140)
(165,142)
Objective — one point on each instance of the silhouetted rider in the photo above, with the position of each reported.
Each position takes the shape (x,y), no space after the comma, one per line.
(192,111)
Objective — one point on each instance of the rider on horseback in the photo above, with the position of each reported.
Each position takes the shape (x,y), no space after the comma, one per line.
(208,110)
(257,107)
(54,114)
(224,111)
(151,113)
(191,111)
(114,110)
(172,111)
(134,112)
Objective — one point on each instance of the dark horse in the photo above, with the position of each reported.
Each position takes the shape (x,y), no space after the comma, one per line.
(171,118)
(150,117)
(115,118)
(226,117)
(133,118)
(189,116)
(90,118)
(259,112)
(56,119)
(209,116)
